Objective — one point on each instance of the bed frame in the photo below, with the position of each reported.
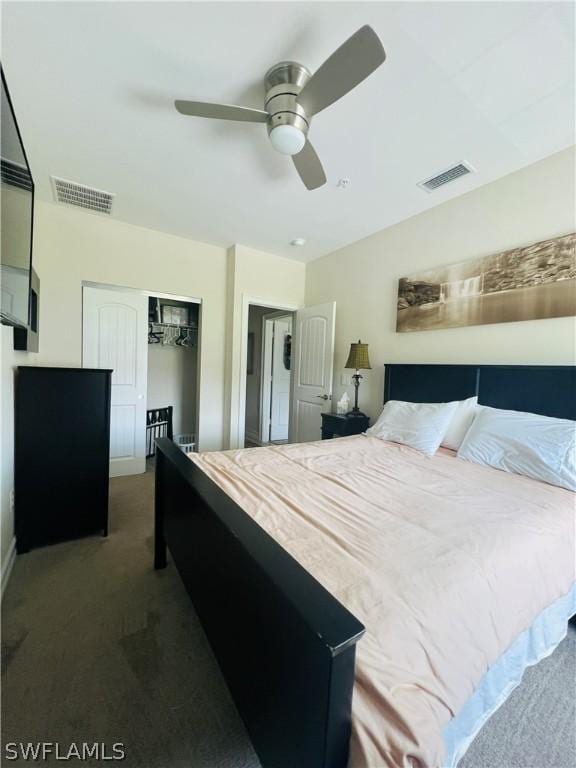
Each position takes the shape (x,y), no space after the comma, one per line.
(285,645)
(549,390)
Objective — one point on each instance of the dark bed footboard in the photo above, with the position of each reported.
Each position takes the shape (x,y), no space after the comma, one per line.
(285,645)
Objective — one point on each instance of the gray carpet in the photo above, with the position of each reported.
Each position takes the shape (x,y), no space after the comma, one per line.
(99,647)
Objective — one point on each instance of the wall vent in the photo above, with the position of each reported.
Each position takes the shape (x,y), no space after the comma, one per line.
(84,197)
(15,175)
(450,174)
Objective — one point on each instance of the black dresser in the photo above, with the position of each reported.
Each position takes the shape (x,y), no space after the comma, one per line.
(62,447)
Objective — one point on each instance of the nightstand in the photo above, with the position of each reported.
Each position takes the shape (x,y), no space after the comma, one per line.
(335,425)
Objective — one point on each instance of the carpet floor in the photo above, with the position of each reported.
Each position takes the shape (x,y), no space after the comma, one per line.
(98,647)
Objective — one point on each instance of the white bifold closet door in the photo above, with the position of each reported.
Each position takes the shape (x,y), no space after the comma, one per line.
(313,365)
(115,335)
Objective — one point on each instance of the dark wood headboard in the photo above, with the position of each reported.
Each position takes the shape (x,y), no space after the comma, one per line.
(546,389)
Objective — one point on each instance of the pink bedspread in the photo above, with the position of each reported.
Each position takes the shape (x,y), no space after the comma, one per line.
(444,561)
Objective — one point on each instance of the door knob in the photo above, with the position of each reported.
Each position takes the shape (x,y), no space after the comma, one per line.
(322,397)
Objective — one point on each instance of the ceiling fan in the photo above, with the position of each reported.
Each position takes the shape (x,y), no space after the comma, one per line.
(294,96)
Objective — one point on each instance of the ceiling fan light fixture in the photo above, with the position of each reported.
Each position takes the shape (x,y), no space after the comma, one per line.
(293,96)
(287,139)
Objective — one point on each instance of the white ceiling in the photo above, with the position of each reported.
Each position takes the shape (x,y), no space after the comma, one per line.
(490,83)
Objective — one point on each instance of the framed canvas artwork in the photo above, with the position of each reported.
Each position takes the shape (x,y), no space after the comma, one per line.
(528,283)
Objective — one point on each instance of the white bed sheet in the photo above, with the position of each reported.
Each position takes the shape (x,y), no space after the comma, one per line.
(533,645)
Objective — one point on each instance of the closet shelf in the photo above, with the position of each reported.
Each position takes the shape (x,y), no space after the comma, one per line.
(193,328)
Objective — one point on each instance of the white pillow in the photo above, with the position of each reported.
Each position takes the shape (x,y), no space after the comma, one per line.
(460,423)
(524,443)
(419,425)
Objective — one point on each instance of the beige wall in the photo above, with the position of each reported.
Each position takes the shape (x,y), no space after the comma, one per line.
(535,203)
(72,246)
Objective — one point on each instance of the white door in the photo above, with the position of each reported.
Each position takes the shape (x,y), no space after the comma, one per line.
(280,395)
(313,363)
(115,335)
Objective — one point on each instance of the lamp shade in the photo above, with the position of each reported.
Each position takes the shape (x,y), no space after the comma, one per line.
(358,357)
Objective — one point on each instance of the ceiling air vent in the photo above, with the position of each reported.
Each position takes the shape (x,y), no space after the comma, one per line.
(450,174)
(84,197)
(15,175)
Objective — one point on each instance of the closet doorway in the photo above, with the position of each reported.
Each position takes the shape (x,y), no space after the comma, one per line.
(172,372)
(150,342)
(268,376)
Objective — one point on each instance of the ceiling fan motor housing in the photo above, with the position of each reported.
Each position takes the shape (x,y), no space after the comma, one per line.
(283,83)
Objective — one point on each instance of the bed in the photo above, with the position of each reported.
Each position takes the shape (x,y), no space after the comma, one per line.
(277,568)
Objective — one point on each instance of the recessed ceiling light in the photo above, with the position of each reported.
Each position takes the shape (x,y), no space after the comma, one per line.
(343,183)
(298,242)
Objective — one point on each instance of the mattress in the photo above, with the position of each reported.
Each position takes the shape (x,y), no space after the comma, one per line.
(446,563)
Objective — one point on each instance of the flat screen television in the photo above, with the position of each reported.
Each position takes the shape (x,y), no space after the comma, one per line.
(16,219)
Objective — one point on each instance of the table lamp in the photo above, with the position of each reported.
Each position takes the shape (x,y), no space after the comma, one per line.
(357,359)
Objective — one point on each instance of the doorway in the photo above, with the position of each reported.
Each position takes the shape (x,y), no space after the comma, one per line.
(268,376)
(172,373)
(150,342)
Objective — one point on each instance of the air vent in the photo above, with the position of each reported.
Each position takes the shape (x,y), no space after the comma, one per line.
(455,172)
(15,175)
(84,197)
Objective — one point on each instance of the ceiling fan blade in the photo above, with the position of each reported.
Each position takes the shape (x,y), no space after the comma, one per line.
(309,167)
(357,58)
(221,111)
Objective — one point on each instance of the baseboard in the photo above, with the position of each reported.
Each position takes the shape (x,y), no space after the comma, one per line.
(8,564)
